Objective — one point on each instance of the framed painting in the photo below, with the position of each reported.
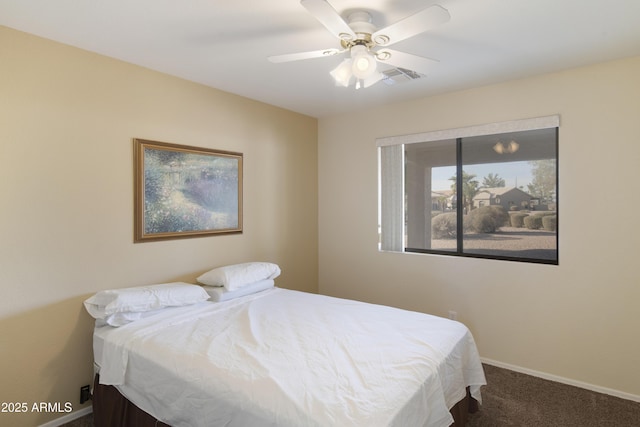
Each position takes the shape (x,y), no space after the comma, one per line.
(182,191)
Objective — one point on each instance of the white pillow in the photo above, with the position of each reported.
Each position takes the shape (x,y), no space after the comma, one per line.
(144,298)
(220,294)
(125,317)
(236,276)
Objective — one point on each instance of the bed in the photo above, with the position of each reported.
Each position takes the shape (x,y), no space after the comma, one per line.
(279,357)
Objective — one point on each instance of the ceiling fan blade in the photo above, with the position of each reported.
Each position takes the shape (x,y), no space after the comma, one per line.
(330,18)
(411,62)
(370,81)
(303,55)
(422,21)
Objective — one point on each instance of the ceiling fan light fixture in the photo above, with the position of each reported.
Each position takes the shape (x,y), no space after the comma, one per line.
(342,73)
(364,63)
(508,148)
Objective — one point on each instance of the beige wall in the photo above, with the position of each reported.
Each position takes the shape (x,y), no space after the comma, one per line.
(67,119)
(578,320)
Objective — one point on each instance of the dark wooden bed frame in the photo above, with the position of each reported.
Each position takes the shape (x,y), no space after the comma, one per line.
(112,409)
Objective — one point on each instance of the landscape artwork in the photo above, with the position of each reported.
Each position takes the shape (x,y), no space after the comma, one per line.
(183,191)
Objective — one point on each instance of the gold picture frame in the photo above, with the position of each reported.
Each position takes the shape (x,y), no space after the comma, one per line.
(182,191)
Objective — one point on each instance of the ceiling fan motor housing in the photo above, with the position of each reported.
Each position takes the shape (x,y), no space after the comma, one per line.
(360,23)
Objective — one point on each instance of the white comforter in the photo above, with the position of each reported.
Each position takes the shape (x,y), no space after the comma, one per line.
(287,358)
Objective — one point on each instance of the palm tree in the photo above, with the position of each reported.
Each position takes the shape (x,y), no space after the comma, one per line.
(492,181)
(469,188)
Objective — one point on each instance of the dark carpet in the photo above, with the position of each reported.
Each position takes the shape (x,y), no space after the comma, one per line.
(512,399)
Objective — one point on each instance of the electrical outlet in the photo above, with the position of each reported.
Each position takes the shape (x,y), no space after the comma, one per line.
(453,315)
(85,393)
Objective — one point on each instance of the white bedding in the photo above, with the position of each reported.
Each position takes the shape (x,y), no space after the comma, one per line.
(287,358)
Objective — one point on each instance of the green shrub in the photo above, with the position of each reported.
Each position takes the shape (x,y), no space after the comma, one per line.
(483,224)
(444,226)
(533,222)
(550,222)
(500,215)
(488,219)
(517,220)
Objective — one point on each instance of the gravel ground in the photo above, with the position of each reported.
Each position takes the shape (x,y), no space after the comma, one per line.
(509,241)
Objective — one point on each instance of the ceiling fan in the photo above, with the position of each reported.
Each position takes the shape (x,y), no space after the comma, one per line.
(366,44)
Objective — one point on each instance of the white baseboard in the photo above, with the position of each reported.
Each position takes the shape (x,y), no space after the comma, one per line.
(69,417)
(550,377)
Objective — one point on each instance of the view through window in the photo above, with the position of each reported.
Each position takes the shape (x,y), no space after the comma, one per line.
(493,196)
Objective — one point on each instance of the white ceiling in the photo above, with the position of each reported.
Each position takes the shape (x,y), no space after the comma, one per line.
(225,43)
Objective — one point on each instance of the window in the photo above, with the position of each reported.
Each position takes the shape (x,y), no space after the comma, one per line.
(486,191)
